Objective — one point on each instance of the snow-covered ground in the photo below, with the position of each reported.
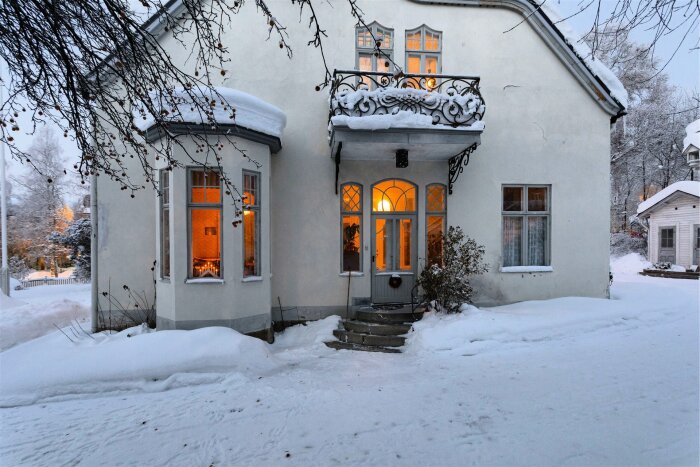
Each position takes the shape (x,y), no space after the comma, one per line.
(35,311)
(572,381)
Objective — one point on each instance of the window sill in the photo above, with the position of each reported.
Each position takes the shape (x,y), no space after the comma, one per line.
(521,269)
(352,273)
(204,280)
(395,273)
(252,279)
(164,280)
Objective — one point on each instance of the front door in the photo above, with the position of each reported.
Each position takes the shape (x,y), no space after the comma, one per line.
(667,245)
(394,240)
(394,258)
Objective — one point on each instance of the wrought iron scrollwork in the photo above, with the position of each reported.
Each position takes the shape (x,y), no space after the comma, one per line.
(457,163)
(449,100)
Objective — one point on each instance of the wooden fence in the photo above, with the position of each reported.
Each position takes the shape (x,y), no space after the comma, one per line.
(52,281)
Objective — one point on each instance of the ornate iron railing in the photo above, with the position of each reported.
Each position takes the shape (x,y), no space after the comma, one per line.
(449,100)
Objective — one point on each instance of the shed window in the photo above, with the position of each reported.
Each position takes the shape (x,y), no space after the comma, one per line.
(351,229)
(251,224)
(526,225)
(204,217)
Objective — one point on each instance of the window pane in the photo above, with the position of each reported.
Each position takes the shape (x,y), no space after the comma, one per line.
(351,243)
(667,238)
(536,240)
(431,65)
(512,198)
(436,198)
(393,196)
(250,243)
(205,187)
(405,244)
(364,39)
(537,199)
(413,41)
(165,243)
(352,198)
(383,63)
(385,38)
(382,242)
(250,189)
(413,64)
(206,242)
(364,62)
(432,41)
(435,232)
(512,241)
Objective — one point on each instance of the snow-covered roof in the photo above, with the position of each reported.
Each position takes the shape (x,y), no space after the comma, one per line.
(692,135)
(227,107)
(687,186)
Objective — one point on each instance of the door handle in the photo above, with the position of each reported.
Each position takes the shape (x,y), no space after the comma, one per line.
(373,258)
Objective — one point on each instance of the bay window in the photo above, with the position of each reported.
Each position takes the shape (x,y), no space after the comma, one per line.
(164,179)
(204,218)
(435,213)
(251,224)
(351,229)
(526,225)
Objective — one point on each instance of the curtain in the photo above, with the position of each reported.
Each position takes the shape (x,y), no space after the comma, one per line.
(536,240)
(512,238)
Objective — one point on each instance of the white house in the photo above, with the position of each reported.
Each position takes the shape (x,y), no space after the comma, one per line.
(506,134)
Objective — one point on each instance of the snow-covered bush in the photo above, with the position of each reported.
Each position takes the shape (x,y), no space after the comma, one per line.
(623,243)
(446,286)
(18,267)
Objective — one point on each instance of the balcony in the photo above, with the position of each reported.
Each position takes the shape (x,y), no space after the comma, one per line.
(433,117)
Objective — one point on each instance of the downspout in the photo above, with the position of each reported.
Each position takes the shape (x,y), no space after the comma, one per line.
(93,252)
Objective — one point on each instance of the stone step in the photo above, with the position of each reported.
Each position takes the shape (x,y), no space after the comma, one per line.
(390,317)
(376,329)
(366,348)
(368,339)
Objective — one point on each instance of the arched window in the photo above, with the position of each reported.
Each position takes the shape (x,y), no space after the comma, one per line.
(351,226)
(435,222)
(423,51)
(394,196)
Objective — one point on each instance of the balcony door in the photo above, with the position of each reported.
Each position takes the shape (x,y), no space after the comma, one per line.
(394,241)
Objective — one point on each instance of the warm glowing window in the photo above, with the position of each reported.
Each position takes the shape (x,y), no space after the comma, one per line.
(393,196)
(435,213)
(423,51)
(251,224)
(526,225)
(164,178)
(351,234)
(204,213)
(367,56)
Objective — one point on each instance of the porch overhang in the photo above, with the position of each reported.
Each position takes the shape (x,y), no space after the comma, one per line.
(422,144)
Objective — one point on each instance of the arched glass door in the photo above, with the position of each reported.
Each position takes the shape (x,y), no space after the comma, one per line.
(394,242)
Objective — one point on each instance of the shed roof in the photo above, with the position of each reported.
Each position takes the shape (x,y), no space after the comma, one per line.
(686,186)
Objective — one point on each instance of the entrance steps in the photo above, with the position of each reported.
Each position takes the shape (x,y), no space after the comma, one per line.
(376,330)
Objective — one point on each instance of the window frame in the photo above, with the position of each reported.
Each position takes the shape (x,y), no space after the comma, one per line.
(163,207)
(524,214)
(422,52)
(359,214)
(428,213)
(257,208)
(214,206)
(361,50)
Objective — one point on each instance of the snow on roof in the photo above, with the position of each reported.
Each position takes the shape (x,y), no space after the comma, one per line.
(692,135)
(686,186)
(230,107)
(597,67)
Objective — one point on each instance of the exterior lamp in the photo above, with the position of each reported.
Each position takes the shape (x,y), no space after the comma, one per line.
(430,83)
(401,158)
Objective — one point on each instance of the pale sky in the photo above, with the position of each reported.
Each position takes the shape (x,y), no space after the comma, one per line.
(683,68)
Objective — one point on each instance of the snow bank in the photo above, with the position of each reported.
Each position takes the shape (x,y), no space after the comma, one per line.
(632,263)
(227,106)
(53,366)
(312,334)
(475,330)
(692,135)
(686,186)
(597,67)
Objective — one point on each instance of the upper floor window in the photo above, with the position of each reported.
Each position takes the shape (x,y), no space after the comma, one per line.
(367,58)
(204,216)
(423,51)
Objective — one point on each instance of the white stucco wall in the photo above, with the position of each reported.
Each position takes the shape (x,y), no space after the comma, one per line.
(542,127)
(682,212)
